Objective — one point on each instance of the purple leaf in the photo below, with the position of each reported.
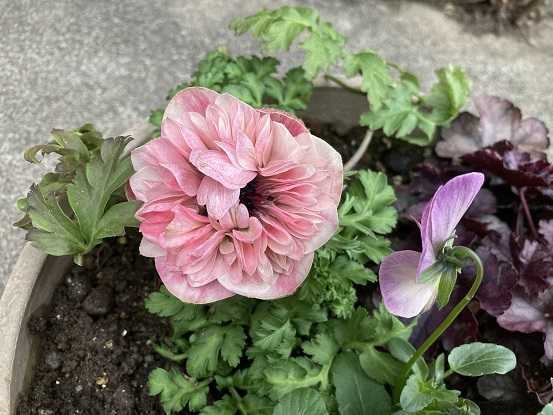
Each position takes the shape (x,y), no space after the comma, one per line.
(499,120)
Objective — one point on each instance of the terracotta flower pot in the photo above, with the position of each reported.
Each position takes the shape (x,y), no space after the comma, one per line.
(35,275)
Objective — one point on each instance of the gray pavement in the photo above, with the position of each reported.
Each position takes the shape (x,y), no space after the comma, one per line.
(65,62)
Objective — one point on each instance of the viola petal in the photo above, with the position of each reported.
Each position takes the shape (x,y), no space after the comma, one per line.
(401,293)
(448,205)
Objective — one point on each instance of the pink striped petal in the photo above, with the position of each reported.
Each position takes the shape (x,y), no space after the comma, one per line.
(216,197)
(217,166)
(178,285)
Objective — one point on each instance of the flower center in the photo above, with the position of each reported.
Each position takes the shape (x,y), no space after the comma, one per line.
(249,196)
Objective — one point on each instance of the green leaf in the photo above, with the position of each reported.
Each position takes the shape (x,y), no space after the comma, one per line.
(322,348)
(301,402)
(402,350)
(477,359)
(176,391)
(377,79)
(280,27)
(418,394)
(233,344)
(53,233)
(285,376)
(449,94)
(272,330)
(92,189)
(356,394)
(224,406)
(352,270)
(163,303)
(117,218)
(210,343)
(547,410)
(322,48)
(380,366)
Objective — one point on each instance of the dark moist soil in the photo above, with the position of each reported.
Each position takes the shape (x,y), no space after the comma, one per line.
(96,336)
(96,339)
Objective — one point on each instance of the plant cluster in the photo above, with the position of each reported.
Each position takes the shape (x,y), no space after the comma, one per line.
(332,347)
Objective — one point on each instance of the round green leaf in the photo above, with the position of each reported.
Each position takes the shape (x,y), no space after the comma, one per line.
(477,359)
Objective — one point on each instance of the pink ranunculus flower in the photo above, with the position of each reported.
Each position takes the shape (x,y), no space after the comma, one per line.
(403,294)
(236,200)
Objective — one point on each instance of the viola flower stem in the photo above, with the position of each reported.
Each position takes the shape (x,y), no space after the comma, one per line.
(527,213)
(459,252)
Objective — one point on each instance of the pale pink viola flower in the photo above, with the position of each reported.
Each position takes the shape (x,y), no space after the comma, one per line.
(399,275)
(236,200)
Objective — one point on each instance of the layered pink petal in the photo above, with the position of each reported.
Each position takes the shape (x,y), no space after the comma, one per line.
(217,165)
(402,294)
(178,285)
(294,125)
(216,197)
(236,200)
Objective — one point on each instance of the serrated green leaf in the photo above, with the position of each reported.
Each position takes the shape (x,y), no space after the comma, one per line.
(272,330)
(280,27)
(210,343)
(224,406)
(356,394)
(418,395)
(93,187)
(352,270)
(163,303)
(54,232)
(116,219)
(301,402)
(377,79)
(286,376)
(322,348)
(176,391)
(233,345)
(322,49)
(448,96)
(477,359)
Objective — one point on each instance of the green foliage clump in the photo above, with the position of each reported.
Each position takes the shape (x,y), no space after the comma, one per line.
(251,79)
(82,202)
(397,105)
(366,214)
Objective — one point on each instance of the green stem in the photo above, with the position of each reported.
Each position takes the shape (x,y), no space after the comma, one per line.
(344,85)
(168,354)
(238,400)
(460,252)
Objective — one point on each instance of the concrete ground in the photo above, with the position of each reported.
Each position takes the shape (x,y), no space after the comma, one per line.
(66,62)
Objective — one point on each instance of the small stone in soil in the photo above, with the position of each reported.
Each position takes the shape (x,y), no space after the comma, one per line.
(53,360)
(98,302)
(78,286)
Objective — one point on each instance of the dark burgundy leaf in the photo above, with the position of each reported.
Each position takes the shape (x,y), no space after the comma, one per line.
(517,168)
(499,120)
